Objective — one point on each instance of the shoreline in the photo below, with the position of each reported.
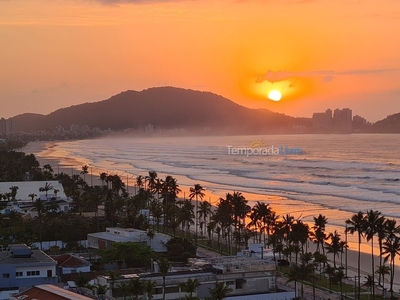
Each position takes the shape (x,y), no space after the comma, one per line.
(44,153)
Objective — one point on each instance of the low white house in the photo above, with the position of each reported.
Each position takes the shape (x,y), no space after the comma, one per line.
(103,240)
(28,191)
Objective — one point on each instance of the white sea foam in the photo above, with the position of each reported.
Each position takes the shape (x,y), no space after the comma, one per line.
(336,175)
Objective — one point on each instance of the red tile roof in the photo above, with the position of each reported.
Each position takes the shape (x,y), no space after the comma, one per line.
(70,261)
(49,292)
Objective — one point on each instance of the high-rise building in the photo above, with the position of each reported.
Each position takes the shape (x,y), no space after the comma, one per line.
(343,119)
(322,121)
(6,126)
(359,122)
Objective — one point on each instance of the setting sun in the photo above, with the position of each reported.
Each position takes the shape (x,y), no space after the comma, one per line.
(275,95)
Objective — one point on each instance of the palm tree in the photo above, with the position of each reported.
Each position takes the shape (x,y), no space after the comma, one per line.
(391,228)
(150,234)
(47,187)
(381,237)
(335,246)
(391,247)
(240,211)
(170,189)
(96,198)
(220,291)
(383,270)
(149,286)
(300,234)
(103,177)
(330,271)
(113,277)
(196,192)
(319,231)
(302,272)
(356,224)
(152,181)
(125,288)
(163,266)
(137,287)
(139,181)
(14,190)
(40,208)
(320,259)
(32,195)
(101,290)
(85,170)
(156,211)
(369,283)
(204,211)
(267,217)
(223,217)
(190,286)
(371,222)
(186,215)
(294,274)
(255,222)
(48,168)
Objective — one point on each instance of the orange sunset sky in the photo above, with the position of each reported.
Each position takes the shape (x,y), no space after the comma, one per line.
(319,54)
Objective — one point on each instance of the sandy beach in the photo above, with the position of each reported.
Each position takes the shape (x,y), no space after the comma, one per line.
(45,154)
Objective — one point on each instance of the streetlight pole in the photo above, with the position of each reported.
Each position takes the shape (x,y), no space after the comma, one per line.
(345,232)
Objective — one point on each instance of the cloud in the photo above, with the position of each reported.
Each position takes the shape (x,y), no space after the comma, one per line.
(113,2)
(325,75)
(328,78)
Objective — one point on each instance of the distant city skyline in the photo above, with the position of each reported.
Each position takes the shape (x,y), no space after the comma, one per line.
(317,54)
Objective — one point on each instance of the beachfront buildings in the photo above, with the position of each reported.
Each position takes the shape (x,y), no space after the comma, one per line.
(6,126)
(343,120)
(21,267)
(340,121)
(103,240)
(322,120)
(248,277)
(26,193)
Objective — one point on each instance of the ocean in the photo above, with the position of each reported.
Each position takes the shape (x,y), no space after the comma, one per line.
(304,175)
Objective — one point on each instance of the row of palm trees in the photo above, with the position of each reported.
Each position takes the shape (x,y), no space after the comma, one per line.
(287,235)
(12,195)
(370,226)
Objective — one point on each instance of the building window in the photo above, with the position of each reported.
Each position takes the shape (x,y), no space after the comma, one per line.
(19,274)
(6,275)
(33,273)
(239,283)
(230,283)
(171,289)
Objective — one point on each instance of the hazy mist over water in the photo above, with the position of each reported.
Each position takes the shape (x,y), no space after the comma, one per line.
(335,175)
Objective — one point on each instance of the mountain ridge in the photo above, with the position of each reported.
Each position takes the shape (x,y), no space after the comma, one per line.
(165,108)
(170,107)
